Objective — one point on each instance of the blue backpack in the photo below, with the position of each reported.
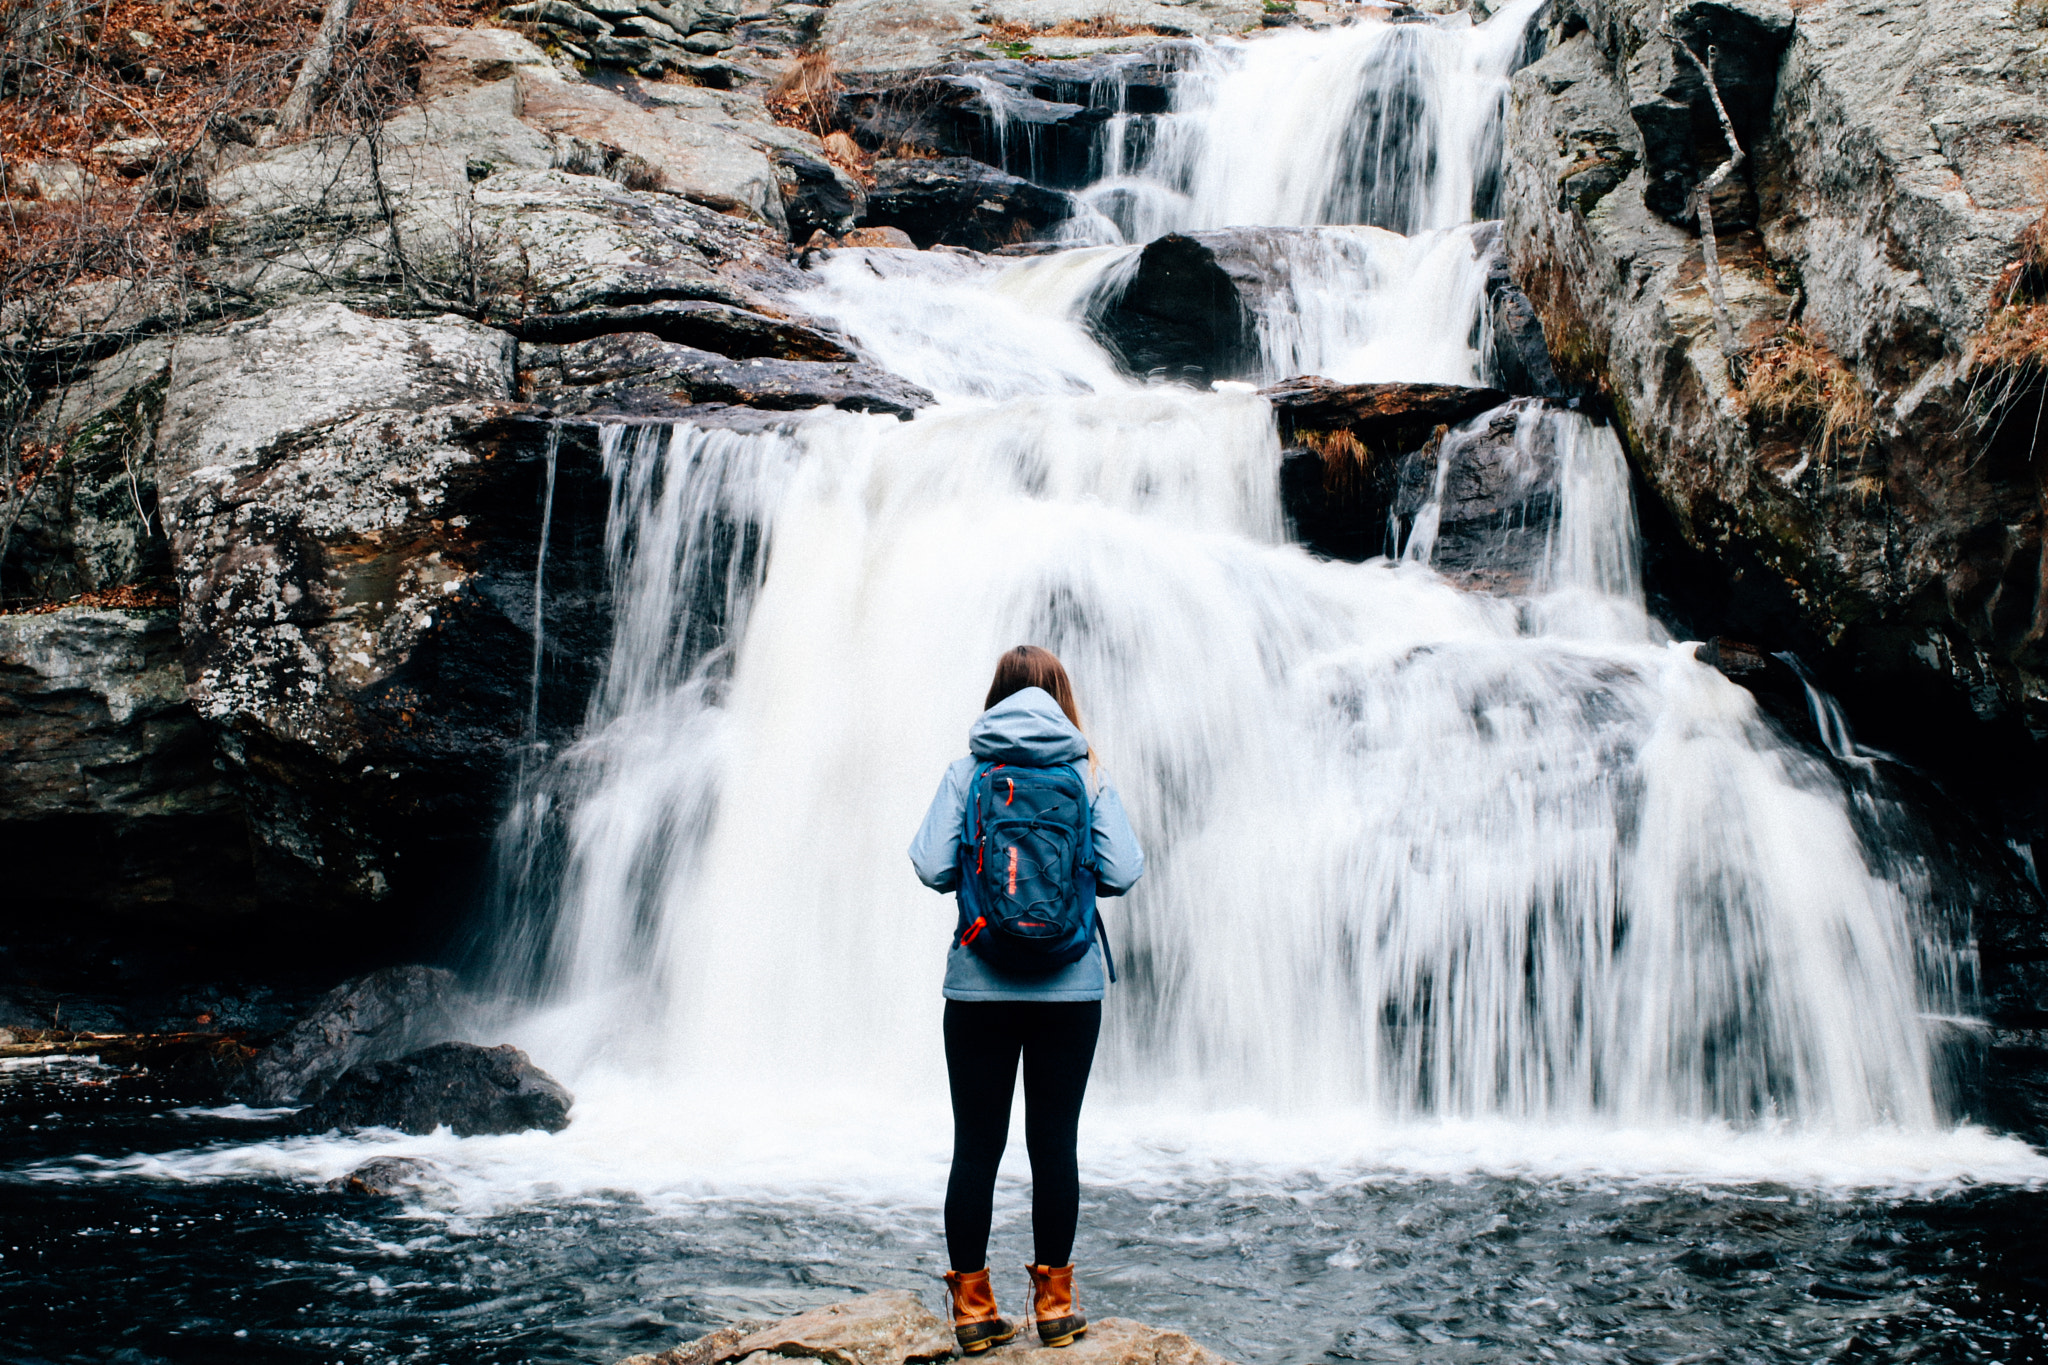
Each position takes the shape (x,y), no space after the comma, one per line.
(1027,869)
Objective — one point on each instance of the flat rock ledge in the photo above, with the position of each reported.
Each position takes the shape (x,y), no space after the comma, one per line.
(896,1328)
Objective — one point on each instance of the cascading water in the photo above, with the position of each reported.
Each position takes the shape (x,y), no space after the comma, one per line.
(1420,855)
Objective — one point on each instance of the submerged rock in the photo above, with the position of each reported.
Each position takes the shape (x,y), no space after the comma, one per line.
(470,1089)
(385,1014)
(896,1328)
(1494,488)
(388,1177)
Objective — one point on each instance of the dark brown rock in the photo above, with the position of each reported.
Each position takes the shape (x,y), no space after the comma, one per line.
(1382,416)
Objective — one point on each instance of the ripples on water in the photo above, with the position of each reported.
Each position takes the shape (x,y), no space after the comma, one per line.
(1269,1269)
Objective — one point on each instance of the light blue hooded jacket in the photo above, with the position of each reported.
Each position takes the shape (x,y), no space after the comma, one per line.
(1025,727)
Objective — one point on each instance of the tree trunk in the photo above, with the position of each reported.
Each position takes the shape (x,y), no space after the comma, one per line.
(298,106)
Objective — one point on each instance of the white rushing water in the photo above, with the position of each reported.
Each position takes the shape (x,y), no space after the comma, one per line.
(1439,880)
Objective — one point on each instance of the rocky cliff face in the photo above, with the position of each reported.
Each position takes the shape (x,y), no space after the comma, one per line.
(1846,462)
(1852,473)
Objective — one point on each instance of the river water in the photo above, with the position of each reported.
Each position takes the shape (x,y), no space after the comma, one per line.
(1504,986)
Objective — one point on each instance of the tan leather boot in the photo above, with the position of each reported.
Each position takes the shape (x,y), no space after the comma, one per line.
(976,1324)
(1052,1304)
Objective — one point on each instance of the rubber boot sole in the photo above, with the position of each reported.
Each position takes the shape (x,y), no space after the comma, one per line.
(1061,1337)
(980,1344)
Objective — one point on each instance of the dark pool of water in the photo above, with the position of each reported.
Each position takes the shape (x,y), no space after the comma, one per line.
(1479,1270)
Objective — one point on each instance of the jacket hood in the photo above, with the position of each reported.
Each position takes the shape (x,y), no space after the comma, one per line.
(1026,727)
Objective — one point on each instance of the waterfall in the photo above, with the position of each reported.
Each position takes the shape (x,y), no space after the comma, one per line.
(1419,854)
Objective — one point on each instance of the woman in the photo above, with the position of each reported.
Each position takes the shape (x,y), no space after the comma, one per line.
(1047,1012)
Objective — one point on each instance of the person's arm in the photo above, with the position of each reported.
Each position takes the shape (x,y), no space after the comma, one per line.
(1119,862)
(935,852)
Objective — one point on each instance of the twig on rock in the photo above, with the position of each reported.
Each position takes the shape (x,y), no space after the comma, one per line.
(1710,256)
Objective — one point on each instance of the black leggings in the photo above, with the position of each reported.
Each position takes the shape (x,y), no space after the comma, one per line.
(984,1038)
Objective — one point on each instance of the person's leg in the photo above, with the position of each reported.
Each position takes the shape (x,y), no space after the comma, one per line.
(1059,1048)
(982,1043)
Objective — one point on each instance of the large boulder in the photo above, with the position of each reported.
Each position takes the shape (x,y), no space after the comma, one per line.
(1180,315)
(111,797)
(571,241)
(469,1089)
(896,1328)
(958,202)
(356,556)
(385,1014)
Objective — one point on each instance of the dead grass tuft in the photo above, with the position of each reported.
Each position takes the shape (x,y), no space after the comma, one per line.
(1796,381)
(806,96)
(2008,360)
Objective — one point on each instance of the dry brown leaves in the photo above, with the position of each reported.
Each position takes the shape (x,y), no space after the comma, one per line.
(126,597)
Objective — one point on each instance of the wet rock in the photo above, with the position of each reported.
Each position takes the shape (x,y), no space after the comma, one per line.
(1040,120)
(388,1177)
(707,326)
(469,1089)
(1381,416)
(634,373)
(1344,443)
(385,1014)
(1180,316)
(1518,357)
(959,202)
(111,797)
(356,560)
(2015,1083)
(1492,487)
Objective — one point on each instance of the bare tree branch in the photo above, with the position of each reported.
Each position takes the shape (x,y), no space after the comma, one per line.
(1710,255)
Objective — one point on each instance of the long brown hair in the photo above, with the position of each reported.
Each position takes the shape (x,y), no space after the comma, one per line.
(1029,666)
